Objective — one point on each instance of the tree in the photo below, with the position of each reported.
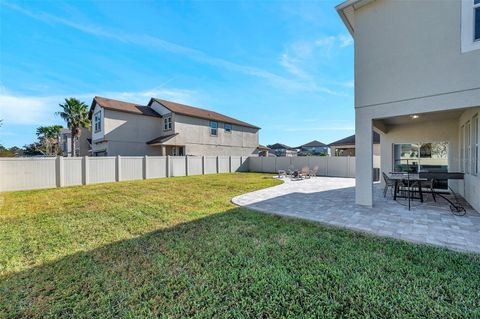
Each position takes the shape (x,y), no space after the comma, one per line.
(75,113)
(48,139)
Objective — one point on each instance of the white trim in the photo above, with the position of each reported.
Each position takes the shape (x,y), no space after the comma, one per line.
(468,27)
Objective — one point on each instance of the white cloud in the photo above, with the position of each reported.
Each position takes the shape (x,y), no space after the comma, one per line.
(40,110)
(160,44)
(345,40)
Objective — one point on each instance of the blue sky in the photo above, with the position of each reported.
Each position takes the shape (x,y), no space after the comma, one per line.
(284,66)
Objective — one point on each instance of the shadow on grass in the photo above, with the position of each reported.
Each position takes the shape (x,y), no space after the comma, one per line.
(239,263)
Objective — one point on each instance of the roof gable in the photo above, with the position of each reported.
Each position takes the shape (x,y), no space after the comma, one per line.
(199,113)
(350,140)
(116,105)
(314,143)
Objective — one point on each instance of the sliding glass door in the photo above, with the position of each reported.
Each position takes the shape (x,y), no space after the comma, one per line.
(420,157)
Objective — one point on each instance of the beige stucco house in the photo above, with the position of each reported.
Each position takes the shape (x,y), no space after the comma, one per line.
(166,128)
(346,146)
(417,83)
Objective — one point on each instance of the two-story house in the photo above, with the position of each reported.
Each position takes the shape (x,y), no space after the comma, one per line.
(167,128)
(346,146)
(281,150)
(417,83)
(313,148)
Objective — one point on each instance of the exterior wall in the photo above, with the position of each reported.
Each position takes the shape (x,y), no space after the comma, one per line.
(408,65)
(194,134)
(126,134)
(84,145)
(408,60)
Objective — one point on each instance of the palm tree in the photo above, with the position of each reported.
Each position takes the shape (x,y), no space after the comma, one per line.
(48,137)
(75,113)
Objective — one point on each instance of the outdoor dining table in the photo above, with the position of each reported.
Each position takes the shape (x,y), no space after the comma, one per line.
(409,180)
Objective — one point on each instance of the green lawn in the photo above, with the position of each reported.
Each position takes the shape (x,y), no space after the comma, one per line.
(178,248)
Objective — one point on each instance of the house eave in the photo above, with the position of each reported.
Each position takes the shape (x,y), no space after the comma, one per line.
(351,5)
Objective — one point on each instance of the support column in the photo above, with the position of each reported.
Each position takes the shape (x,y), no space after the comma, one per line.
(363,159)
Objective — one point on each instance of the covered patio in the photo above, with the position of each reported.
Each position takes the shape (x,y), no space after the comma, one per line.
(331,201)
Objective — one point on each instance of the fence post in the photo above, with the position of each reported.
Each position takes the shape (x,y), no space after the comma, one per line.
(145,169)
(186,165)
(167,171)
(218,170)
(86,168)
(118,170)
(59,167)
(326,166)
(274,164)
(230,164)
(203,165)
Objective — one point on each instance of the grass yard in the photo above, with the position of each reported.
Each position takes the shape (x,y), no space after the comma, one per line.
(178,248)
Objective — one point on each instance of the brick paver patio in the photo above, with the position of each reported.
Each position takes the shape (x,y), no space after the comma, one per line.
(332,201)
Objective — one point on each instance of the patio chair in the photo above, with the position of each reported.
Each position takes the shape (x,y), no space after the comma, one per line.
(389,183)
(313,172)
(282,173)
(305,173)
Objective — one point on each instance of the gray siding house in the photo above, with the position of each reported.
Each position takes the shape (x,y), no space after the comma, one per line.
(417,83)
(167,128)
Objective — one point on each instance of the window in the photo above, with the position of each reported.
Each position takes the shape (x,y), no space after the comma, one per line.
(421,157)
(167,123)
(227,127)
(213,128)
(97,119)
(467,147)
(475,131)
(470,25)
(476,18)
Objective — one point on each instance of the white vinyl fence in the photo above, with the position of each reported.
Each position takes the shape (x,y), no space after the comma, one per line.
(335,166)
(49,172)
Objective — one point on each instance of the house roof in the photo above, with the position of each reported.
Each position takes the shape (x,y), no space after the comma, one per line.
(199,113)
(313,143)
(262,148)
(346,12)
(162,139)
(350,140)
(121,106)
(277,146)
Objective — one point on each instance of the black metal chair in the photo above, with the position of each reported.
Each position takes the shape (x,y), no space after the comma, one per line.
(389,183)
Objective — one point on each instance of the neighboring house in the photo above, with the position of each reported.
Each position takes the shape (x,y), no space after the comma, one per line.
(313,148)
(282,150)
(346,146)
(167,128)
(417,82)
(83,144)
(263,151)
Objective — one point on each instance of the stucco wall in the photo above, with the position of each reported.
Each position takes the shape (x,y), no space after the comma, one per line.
(194,133)
(411,50)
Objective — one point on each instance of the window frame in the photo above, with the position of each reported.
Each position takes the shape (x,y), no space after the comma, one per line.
(213,128)
(97,121)
(475,144)
(225,127)
(469,43)
(167,123)
(468,152)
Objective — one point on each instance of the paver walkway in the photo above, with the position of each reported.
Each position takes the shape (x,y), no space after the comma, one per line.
(332,201)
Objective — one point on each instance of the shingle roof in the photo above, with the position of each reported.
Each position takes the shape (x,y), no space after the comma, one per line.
(313,143)
(200,113)
(350,140)
(278,146)
(162,139)
(121,106)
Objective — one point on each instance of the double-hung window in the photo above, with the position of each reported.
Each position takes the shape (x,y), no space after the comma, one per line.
(97,120)
(167,123)
(470,25)
(213,128)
